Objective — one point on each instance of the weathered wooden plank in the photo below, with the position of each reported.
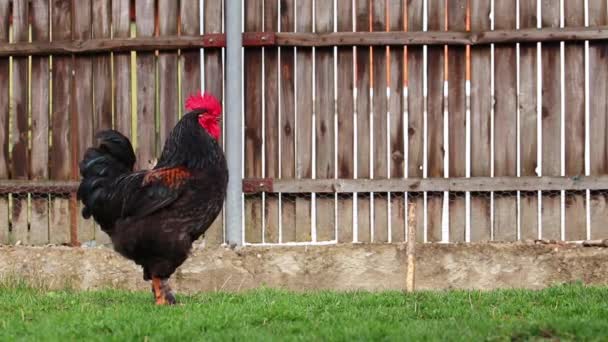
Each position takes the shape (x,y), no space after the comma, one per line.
(598,119)
(379,121)
(435,116)
(505,123)
(4,121)
(481,129)
(288,121)
(62,134)
(167,71)
(253,121)
(304,107)
(551,122)
(39,212)
(146,100)
(363,76)
(396,22)
(574,92)
(415,110)
(82,97)
(271,115)
(527,99)
(190,63)
(457,118)
(20,157)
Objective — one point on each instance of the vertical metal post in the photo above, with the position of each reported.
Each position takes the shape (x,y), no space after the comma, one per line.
(233,120)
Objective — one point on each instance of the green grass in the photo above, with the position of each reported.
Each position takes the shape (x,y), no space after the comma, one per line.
(570,312)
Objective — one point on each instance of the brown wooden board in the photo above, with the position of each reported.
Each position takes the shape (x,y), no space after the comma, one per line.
(324,124)
(167,71)
(146,99)
(505,122)
(190,61)
(435,132)
(551,123)
(598,119)
(415,110)
(481,129)
(20,158)
(288,123)
(39,215)
(457,119)
(4,121)
(363,76)
(304,107)
(574,90)
(345,107)
(253,121)
(62,134)
(82,97)
(379,121)
(271,116)
(527,99)
(214,83)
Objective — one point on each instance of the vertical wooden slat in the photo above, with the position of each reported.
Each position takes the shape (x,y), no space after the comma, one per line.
(598,117)
(4,121)
(527,123)
(574,90)
(345,107)
(481,129)
(146,103)
(505,123)
(324,130)
(415,110)
(167,71)
(457,119)
(551,122)
(83,97)
(253,121)
(363,103)
(190,62)
(62,134)
(271,100)
(435,107)
(396,111)
(304,120)
(20,153)
(39,217)
(379,117)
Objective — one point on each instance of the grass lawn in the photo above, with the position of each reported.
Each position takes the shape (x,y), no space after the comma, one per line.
(570,312)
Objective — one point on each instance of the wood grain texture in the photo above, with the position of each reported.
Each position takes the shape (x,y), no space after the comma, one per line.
(62,135)
(528,67)
(167,71)
(288,120)
(146,87)
(324,125)
(20,157)
(4,121)
(253,121)
(40,84)
(598,116)
(457,119)
(272,130)
(83,108)
(304,107)
(435,117)
(415,110)
(363,77)
(481,129)
(551,125)
(574,90)
(190,62)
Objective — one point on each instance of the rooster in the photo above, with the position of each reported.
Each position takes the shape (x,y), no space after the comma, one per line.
(154,216)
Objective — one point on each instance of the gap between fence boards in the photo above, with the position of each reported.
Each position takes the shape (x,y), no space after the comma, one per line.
(258,39)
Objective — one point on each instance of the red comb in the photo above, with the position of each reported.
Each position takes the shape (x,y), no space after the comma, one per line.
(206,102)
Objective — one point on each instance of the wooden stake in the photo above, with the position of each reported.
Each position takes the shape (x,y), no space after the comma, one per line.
(411,248)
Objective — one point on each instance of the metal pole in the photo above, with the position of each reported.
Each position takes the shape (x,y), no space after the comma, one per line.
(233,121)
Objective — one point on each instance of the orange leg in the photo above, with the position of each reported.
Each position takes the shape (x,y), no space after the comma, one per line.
(158,293)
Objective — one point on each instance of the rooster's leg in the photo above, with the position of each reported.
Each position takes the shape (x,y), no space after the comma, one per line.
(166,289)
(158,292)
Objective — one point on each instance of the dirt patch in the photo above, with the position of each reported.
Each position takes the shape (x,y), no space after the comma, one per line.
(342,267)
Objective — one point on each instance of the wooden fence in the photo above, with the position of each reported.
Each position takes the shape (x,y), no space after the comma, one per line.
(352,113)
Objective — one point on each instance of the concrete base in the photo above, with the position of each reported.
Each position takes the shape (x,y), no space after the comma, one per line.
(342,267)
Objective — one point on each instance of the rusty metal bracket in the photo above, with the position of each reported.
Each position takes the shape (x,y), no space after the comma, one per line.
(257,185)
